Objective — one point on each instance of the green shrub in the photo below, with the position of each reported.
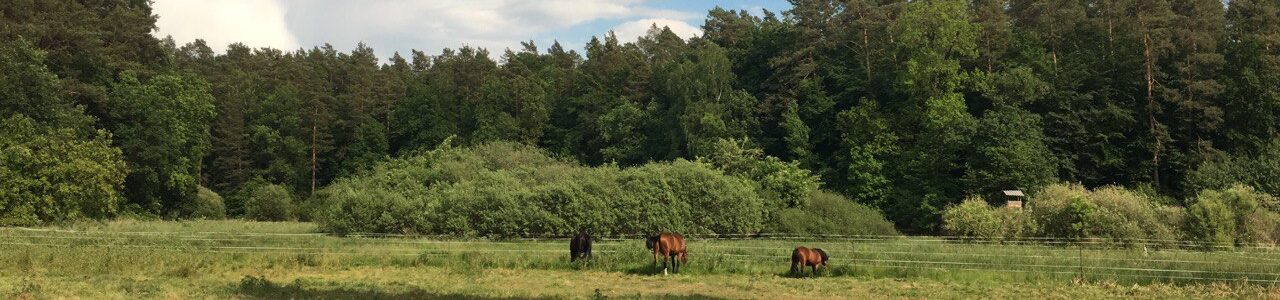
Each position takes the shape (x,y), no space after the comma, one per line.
(269,202)
(829,213)
(237,197)
(493,204)
(976,218)
(373,210)
(1235,215)
(1211,221)
(783,184)
(1127,215)
(1071,211)
(505,189)
(1018,223)
(55,174)
(1262,227)
(1058,207)
(207,205)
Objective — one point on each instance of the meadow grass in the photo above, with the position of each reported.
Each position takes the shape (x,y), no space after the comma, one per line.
(240,259)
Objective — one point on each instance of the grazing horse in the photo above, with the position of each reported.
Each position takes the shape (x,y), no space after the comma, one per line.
(670,246)
(805,257)
(580,246)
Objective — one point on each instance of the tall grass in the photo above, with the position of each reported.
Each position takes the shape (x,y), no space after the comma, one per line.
(184,249)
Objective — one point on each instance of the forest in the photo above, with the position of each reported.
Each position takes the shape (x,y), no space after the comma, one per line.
(908,107)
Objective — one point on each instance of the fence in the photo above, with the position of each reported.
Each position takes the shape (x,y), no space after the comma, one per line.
(1090,259)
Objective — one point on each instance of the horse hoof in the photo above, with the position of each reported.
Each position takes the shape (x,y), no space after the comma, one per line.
(664,272)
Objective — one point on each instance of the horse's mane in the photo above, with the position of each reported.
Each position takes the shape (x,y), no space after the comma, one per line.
(823,253)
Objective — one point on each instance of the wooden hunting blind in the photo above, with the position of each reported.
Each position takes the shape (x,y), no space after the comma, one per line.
(1013,198)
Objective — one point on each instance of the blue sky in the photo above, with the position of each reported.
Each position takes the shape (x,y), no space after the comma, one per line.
(399,25)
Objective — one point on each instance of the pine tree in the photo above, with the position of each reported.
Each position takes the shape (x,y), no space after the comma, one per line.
(1252,53)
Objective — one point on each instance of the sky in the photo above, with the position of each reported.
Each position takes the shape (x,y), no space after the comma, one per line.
(389,26)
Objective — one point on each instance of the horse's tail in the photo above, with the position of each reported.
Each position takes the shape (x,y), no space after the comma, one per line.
(796,259)
(824,255)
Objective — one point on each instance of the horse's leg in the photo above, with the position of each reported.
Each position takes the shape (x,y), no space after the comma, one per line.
(664,263)
(684,258)
(675,264)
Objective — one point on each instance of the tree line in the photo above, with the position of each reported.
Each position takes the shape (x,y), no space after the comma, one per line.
(907,106)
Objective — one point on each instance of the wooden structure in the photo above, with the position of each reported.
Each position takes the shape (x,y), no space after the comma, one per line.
(1013,198)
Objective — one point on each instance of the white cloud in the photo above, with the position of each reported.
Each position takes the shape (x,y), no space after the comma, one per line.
(219,23)
(400,25)
(631,31)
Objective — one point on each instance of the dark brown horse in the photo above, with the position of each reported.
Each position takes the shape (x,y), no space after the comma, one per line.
(805,257)
(580,246)
(670,246)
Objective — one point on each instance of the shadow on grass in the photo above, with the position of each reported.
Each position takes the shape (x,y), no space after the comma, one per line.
(261,288)
(802,275)
(690,297)
(650,269)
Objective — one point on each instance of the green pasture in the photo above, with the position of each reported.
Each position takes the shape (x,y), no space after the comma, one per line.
(220,259)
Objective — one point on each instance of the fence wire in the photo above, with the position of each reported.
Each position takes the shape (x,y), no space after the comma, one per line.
(1252,262)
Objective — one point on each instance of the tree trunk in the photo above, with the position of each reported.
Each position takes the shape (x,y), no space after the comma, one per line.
(1149,61)
(1110,25)
(387,127)
(866,54)
(1053,48)
(315,113)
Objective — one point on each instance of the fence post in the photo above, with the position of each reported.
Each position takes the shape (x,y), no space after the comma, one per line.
(1080,257)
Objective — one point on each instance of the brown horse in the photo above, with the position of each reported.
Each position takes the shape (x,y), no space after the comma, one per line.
(670,246)
(805,257)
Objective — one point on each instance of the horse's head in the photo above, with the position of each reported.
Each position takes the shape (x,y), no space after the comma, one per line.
(823,254)
(651,241)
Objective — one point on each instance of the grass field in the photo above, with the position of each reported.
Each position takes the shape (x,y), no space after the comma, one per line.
(238,259)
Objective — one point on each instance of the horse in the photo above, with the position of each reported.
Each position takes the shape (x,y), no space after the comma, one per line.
(580,246)
(805,257)
(670,246)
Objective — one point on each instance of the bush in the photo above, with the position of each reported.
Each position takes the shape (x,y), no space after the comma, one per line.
(1071,211)
(207,205)
(269,202)
(1263,227)
(1058,207)
(1232,216)
(1211,222)
(692,197)
(1127,215)
(830,213)
(783,184)
(505,189)
(976,218)
(54,175)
